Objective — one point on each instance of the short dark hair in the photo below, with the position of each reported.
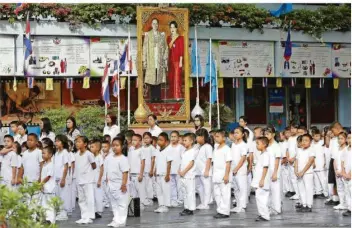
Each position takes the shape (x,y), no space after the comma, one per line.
(175,132)
(190,136)
(173,23)
(138,136)
(302,128)
(315,131)
(49,149)
(147,133)
(308,136)
(96,141)
(335,124)
(264,140)
(164,135)
(203,133)
(129,133)
(14,122)
(153,116)
(34,135)
(221,132)
(64,140)
(244,118)
(105,142)
(9,137)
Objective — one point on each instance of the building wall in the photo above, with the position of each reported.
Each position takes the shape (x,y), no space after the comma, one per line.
(344,105)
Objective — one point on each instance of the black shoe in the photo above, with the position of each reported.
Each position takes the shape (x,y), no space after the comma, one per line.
(321,196)
(190,212)
(288,194)
(347,213)
(335,203)
(330,202)
(234,204)
(298,205)
(155,199)
(220,216)
(260,218)
(97,215)
(253,193)
(308,209)
(184,212)
(315,196)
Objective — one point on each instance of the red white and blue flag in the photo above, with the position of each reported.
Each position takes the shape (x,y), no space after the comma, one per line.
(115,79)
(105,86)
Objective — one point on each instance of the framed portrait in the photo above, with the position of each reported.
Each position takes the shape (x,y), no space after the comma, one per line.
(163,62)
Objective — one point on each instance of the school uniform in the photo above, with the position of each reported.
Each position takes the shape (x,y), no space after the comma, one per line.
(48,191)
(320,181)
(98,191)
(31,164)
(21,139)
(240,179)
(327,154)
(222,191)
(69,184)
(106,200)
(112,131)
(137,189)
(347,159)
(18,167)
(249,174)
(148,152)
(61,158)
(274,153)
(262,193)
(163,188)
(188,183)
(84,180)
(73,181)
(340,180)
(306,182)
(115,167)
(155,131)
(8,162)
(204,184)
(292,150)
(16,137)
(175,181)
(285,172)
(44,135)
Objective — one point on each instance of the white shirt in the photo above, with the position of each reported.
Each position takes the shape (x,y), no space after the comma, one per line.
(113,131)
(283,147)
(19,161)
(319,156)
(187,157)
(220,157)
(338,158)
(115,166)
(303,158)
(9,160)
(334,147)
(31,164)
(155,131)
(74,135)
(148,154)
(176,152)
(274,152)
(327,153)
(251,135)
(253,149)
(21,139)
(205,152)
(83,169)
(135,157)
(51,136)
(161,160)
(61,158)
(346,158)
(99,161)
(292,146)
(237,152)
(2,134)
(16,137)
(48,170)
(262,162)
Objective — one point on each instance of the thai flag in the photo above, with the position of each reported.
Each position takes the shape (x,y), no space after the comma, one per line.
(115,79)
(123,61)
(288,45)
(18,7)
(105,86)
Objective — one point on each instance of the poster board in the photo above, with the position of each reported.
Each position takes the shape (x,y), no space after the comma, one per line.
(7,55)
(341,60)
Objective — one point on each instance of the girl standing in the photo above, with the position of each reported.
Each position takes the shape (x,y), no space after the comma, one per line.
(111,128)
(46,129)
(71,131)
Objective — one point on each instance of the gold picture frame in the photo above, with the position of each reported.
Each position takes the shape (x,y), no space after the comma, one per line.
(181,16)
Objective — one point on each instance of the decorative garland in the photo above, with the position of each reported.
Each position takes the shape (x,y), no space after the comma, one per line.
(331,17)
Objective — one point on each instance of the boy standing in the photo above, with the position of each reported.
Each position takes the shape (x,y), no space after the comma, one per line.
(32,160)
(8,164)
(320,182)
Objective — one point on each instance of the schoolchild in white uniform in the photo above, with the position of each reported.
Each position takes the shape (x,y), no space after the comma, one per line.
(48,181)
(258,132)
(285,182)
(162,172)
(95,148)
(14,128)
(69,177)
(204,169)
(117,181)
(106,153)
(84,166)
(239,152)
(249,164)
(327,156)
(304,172)
(19,171)
(8,163)
(222,175)
(292,152)
(61,161)
(261,179)
(187,174)
(149,152)
(136,159)
(342,139)
(22,133)
(320,181)
(274,153)
(346,174)
(46,129)
(154,129)
(176,151)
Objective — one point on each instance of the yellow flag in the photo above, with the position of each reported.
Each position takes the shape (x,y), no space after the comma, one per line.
(249,83)
(14,84)
(123,83)
(279,82)
(86,81)
(190,82)
(307,83)
(336,83)
(49,84)
(220,83)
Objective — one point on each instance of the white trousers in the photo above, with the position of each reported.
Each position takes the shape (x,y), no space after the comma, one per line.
(74,194)
(98,198)
(262,199)
(137,189)
(204,188)
(49,210)
(285,175)
(163,191)
(320,183)
(106,199)
(249,181)
(86,200)
(305,188)
(188,188)
(240,188)
(293,179)
(64,195)
(275,196)
(348,193)
(119,202)
(341,190)
(222,195)
(155,186)
(148,186)
(176,189)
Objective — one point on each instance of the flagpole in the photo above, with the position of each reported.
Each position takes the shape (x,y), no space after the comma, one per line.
(210,66)
(195,36)
(128,80)
(217,93)
(118,90)
(106,105)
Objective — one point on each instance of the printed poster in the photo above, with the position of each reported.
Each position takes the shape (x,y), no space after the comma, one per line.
(106,49)
(341,60)
(203,47)
(307,60)
(58,56)
(246,59)
(7,55)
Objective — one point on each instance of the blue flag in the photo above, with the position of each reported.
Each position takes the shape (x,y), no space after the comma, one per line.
(211,67)
(195,60)
(283,9)
(288,45)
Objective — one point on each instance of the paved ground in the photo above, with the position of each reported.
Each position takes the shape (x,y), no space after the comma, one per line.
(322,216)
